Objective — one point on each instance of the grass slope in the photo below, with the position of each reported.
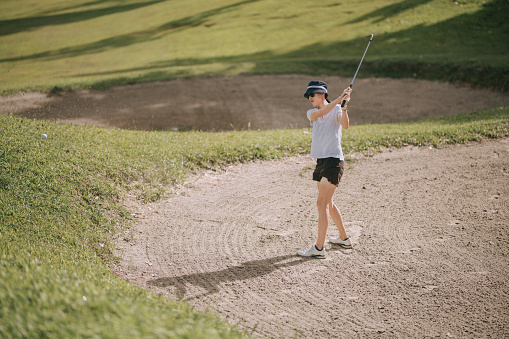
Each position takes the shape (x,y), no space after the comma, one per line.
(62,197)
(40,299)
(103,43)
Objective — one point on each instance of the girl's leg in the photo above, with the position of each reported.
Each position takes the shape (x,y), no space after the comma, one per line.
(338,219)
(325,193)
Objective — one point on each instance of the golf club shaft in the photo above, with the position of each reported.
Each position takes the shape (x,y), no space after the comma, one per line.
(351,84)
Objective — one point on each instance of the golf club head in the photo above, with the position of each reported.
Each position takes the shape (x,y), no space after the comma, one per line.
(370,37)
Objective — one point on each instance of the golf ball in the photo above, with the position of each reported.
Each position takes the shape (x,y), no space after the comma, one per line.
(44,136)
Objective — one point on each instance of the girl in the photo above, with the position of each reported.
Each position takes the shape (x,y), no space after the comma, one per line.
(327,119)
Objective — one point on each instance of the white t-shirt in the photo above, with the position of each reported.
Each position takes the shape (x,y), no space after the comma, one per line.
(326,142)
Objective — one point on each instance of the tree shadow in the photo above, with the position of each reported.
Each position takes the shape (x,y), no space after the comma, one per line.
(210,281)
(486,28)
(417,39)
(390,11)
(13,26)
(74,6)
(128,39)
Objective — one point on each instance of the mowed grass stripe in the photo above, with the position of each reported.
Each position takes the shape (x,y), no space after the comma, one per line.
(100,44)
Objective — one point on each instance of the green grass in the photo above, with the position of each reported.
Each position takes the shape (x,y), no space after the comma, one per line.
(41,299)
(103,43)
(456,129)
(62,197)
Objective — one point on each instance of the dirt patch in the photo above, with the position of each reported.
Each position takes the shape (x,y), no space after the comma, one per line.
(430,235)
(242,102)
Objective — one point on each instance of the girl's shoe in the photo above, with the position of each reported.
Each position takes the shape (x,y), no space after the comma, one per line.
(347,243)
(313,252)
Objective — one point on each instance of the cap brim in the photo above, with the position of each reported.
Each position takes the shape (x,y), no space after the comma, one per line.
(315,90)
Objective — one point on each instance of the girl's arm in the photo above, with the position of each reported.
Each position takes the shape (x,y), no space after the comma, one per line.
(343,119)
(327,108)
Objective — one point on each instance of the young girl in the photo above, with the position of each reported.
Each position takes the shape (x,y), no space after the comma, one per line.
(327,119)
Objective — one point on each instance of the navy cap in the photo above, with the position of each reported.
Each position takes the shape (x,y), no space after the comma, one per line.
(316,86)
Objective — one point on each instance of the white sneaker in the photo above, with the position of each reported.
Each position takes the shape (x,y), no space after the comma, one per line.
(313,252)
(347,243)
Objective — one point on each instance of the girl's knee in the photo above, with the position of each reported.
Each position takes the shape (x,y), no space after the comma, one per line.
(322,205)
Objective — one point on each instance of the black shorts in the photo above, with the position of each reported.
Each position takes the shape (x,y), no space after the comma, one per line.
(331,168)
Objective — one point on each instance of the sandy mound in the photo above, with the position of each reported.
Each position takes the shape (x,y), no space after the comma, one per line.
(256,102)
(430,236)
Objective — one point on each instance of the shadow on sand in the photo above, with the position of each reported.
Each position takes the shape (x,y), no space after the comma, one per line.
(210,281)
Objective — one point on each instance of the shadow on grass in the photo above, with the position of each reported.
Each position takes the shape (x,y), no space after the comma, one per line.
(447,51)
(390,11)
(128,39)
(457,37)
(488,25)
(74,6)
(13,26)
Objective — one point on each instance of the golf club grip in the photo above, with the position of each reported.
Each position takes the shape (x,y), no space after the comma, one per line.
(344,101)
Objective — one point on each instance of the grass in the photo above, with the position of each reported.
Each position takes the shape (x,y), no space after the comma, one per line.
(62,197)
(98,44)
(43,300)
(437,132)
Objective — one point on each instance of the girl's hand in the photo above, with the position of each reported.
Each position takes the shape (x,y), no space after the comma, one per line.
(346,97)
(347,91)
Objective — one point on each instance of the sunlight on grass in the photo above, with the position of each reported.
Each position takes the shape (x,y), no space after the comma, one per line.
(137,41)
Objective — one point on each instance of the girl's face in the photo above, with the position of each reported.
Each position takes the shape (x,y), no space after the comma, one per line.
(317,99)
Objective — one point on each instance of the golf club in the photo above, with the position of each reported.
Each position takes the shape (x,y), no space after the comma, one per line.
(351,84)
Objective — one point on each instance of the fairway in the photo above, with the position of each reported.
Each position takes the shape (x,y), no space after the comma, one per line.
(97,44)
